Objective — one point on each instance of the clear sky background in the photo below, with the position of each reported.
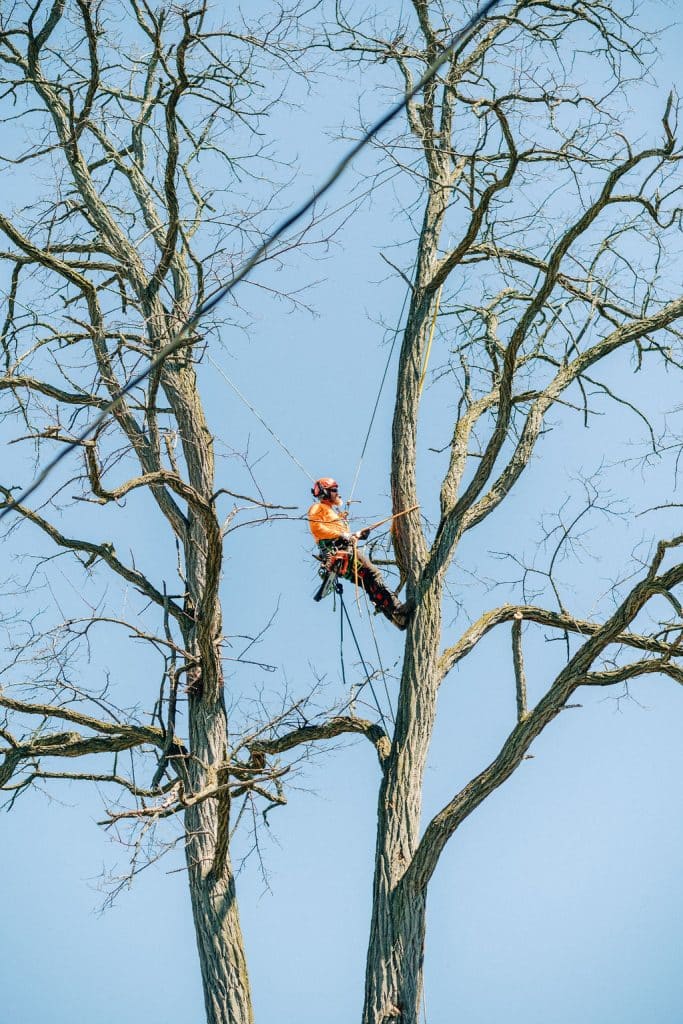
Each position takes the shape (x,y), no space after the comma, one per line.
(560,899)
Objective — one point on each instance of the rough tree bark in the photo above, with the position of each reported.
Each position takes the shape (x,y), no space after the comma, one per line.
(474,167)
(211,879)
(539,294)
(132,106)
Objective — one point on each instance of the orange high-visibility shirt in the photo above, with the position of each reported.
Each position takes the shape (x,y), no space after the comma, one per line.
(325,522)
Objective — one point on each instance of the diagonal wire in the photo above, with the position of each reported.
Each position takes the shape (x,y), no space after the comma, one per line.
(184,336)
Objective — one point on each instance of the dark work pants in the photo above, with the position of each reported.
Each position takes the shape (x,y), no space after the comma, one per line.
(368,575)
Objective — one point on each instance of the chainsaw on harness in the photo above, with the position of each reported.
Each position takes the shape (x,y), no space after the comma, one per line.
(334,563)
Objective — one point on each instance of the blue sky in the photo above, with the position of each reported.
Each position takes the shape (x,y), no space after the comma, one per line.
(560,899)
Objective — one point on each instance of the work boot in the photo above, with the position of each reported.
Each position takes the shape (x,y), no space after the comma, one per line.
(401,615)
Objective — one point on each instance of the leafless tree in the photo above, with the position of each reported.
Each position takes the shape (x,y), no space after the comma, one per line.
(544,237)
(141,129)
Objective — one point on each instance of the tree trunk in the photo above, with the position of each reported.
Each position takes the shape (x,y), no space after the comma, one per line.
(393,980)
(212,884)
(220,944)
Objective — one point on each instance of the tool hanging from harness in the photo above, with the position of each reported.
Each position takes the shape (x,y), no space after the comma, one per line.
(338,562)
(329,584)
(334,563)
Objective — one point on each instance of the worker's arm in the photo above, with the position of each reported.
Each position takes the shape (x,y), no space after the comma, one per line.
(330,531)
(326,524)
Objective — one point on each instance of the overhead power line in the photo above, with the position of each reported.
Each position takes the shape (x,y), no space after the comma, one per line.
(182,337)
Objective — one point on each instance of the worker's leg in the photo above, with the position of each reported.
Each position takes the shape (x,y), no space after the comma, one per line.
(372,582)
(368,576)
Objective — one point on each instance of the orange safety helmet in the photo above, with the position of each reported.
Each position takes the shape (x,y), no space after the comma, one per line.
(322,487)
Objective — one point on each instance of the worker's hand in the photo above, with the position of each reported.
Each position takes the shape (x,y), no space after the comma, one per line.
(362,534)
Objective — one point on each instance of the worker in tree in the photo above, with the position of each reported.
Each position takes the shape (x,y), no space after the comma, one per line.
(339,552)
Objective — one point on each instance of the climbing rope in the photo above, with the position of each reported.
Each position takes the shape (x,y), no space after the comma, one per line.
(260,418)
(341,647)
(379,659)
(429,343)
(397,331)
(386,370)
(344,612)
(368,677)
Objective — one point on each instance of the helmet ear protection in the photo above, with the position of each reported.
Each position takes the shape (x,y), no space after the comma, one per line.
(322,487)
